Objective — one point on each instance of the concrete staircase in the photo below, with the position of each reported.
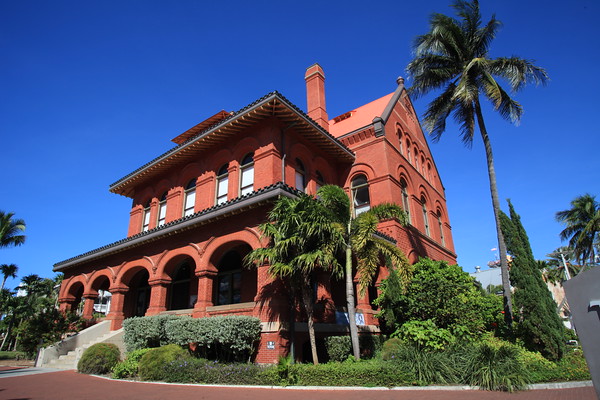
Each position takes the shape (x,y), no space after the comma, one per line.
(66,354)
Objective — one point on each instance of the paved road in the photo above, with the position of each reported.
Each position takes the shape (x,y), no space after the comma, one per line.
(22,384)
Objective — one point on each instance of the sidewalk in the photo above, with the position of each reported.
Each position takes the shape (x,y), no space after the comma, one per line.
(43,385)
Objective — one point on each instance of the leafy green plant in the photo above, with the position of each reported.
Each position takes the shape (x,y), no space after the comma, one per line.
(425,335)
(426,367)
(128,368)
(287,375)
(145,332)
(152,364)
(494,368)
(99,358)
(339,348)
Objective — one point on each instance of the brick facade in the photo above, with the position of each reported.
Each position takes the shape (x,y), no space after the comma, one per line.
(228,171)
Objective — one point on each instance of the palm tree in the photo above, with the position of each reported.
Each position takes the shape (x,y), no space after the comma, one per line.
(453,56)
(358,238)
(582,230)
(302,241)
(10,230)
(8,271)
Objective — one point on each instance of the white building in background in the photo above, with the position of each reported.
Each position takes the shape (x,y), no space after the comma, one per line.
(492,276)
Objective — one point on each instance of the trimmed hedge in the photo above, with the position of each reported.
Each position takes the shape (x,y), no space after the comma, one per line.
(200,370)
(99,358)
(225,338)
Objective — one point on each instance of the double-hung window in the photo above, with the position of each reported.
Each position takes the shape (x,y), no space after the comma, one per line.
(222,184)
(360,195)
(247,175)
(146,217)
(190,198)
(162,210)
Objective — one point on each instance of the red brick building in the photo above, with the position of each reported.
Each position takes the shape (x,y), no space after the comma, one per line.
(196,209)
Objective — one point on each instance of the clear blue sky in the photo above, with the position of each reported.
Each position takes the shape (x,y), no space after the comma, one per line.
(92,90)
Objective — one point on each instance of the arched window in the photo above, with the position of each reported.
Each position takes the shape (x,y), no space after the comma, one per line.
(146,218)
(190,198)
(429,172)
(162,210)
(360,195)
(320,180)
(423,165)
(400,140)
(441,225)
(247,175)
(405,198)
(416,158)
(229,279)
(425,219)
(222,184)
(300,176)
(408,153)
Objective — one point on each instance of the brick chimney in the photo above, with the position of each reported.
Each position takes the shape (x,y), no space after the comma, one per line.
(315,95)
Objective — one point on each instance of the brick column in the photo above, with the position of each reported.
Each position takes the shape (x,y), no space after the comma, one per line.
(88,305)
(158,296)
(116,314)
(205,292)
(65,304)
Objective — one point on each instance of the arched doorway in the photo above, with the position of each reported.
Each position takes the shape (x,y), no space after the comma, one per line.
(182,293)
(102,302)
(137,298)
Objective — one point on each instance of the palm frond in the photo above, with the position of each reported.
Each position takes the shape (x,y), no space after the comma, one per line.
(438,110)
(518,72)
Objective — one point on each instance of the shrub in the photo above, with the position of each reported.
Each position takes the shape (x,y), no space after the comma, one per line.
(145,332)
(128,368)
(425,335)
(339,348)
(99,358)
(152,364)
(425,366)
(391,347)
(225,338)
(362,373)
(494,368)
(198,370)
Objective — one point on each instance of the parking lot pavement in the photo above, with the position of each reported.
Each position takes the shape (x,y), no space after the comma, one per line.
(50,385)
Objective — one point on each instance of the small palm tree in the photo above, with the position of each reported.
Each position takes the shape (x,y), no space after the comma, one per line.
(454,56)
(302,241)
(10,230)
(8,271)
(582,230)
(358,238)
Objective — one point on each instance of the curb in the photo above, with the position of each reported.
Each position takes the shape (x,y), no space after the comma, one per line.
(535,386)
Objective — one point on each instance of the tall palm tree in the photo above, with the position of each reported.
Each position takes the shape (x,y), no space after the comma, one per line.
(8,271)
(582,230)
(358,239)
(454,56)
(10,230)
(302,241)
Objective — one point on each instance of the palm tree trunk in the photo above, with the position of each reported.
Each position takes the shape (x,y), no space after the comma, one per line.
(508,308)
(307,297)
(350,302)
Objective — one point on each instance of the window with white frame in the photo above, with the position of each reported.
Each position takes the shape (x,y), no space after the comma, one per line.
(300,176)
(146,217)
(360,195)
(247,174)
(222,184)
(162,210)
(190,198)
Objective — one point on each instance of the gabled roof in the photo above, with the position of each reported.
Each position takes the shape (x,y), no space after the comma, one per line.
(358,118)
(273,104)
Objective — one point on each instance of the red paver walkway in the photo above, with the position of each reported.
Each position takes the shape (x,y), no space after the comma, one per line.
(71,385)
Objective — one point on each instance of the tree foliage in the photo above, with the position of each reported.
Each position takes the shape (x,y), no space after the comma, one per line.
(454,57)
(438,296)
(582,229)
(538,323)
(11,230)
